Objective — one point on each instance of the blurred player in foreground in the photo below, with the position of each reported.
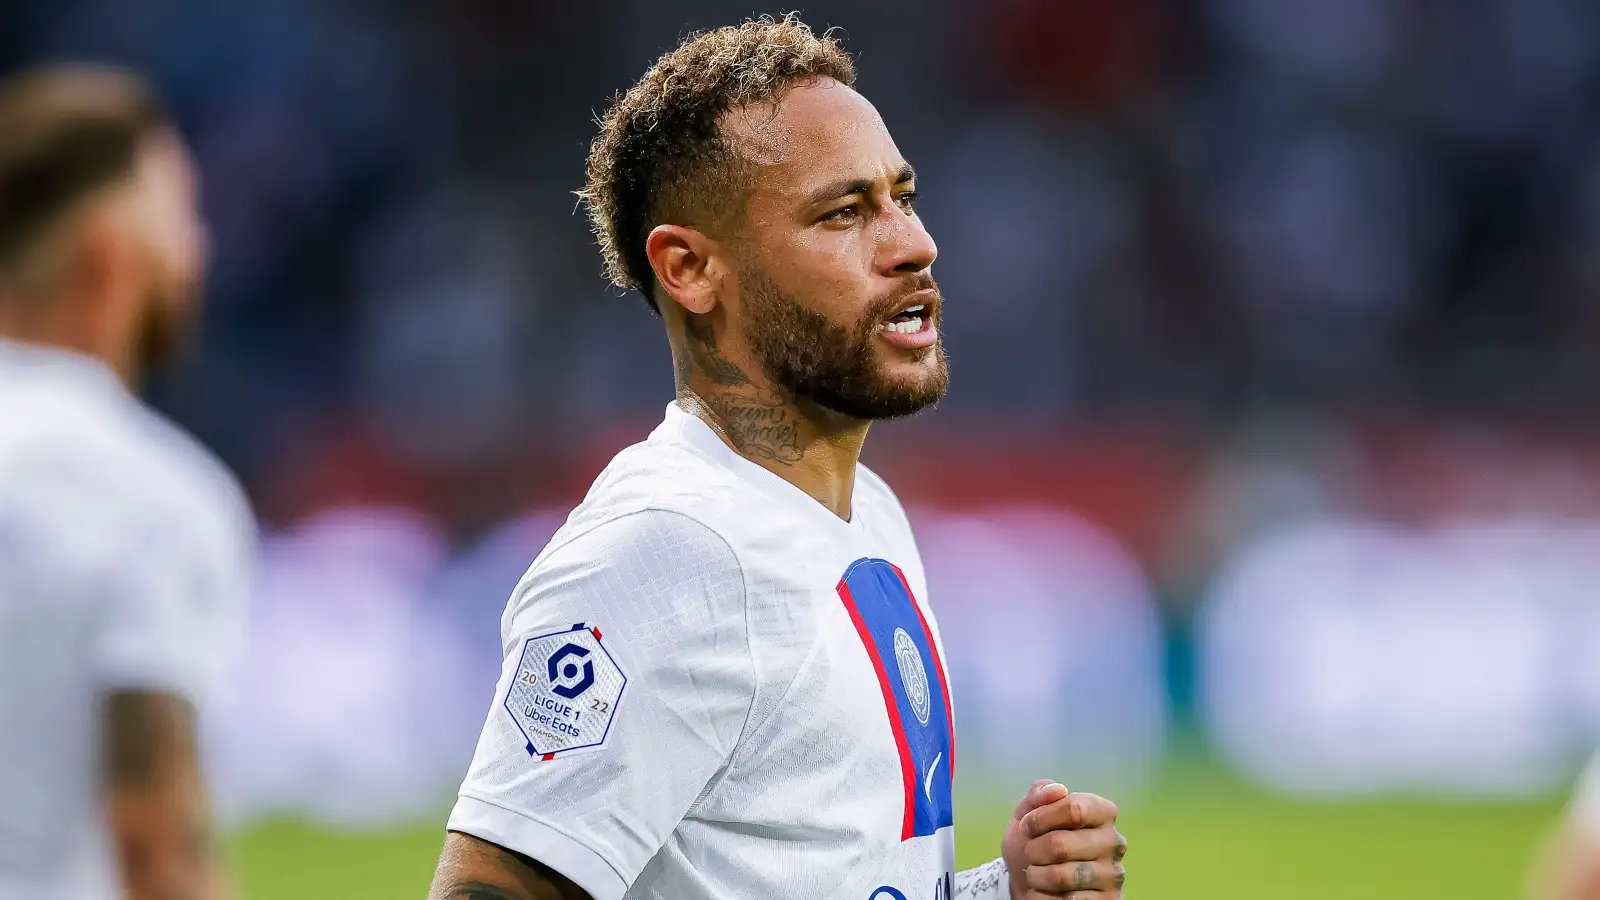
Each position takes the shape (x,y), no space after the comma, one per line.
(720,678)
(124,547)
(1568,868)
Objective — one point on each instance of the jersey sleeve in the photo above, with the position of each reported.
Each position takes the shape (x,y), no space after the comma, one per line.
(990,881)
(173,577)
(626,682)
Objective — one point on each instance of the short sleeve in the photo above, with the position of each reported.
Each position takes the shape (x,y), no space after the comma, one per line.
(169,579)
(173,616)
(637,624)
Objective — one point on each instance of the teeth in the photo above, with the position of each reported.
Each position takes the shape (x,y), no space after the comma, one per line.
(912,309)
(911,326)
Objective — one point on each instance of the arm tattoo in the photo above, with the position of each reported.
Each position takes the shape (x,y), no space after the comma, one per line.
(990,881)
(147,733)
(474,869)
(473,890)
(703,351)
(155,795)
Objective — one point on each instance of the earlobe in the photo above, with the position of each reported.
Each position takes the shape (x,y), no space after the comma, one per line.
(682,263)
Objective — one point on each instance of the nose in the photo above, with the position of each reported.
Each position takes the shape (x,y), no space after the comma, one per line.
(905,247)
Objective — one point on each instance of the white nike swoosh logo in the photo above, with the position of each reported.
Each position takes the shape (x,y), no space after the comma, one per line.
(927,783)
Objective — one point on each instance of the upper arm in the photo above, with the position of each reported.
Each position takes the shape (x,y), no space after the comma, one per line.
(148,738)
(155,800)
(163,574)
(474,869)
(597,801)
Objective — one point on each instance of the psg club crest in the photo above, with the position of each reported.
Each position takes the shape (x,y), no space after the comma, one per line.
(566,692)
(913,675)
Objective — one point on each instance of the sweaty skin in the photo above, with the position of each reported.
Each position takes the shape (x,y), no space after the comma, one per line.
(776,334)
(829,221)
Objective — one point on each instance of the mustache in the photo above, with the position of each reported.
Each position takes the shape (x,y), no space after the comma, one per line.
(891,303)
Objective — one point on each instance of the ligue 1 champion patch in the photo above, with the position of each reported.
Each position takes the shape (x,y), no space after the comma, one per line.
(566,691)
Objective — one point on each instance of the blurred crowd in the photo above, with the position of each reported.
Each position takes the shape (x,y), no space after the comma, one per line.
(1217,272)
(1176,211)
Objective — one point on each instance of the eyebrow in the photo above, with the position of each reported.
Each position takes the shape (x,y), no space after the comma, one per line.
(835,190)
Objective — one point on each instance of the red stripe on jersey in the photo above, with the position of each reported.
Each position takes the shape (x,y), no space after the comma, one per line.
(907,768)
(938,664)
(548,756)
(596,633)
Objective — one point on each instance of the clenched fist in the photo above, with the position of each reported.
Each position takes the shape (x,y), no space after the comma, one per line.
(1062,844)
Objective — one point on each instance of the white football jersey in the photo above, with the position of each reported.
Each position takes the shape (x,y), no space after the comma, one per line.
(714,687)
(124,561)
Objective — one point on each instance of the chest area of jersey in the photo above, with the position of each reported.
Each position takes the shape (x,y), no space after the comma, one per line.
(888,668)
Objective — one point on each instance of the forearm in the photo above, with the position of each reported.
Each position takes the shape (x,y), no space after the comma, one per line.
(165,845)
(156,805)
(990,881)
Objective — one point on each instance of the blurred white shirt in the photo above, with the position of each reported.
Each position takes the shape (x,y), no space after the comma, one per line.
(125,560)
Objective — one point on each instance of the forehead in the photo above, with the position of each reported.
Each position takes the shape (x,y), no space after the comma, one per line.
(816,133)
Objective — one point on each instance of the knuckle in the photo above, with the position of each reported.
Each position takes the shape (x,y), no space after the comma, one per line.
(1099,808)
(1048,878)
(1119,875)
(1062,845)
(1108,806)
(1030,824)
(1076,811)
(1085,876)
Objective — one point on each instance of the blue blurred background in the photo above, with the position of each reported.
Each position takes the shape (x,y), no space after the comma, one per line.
(1275,328)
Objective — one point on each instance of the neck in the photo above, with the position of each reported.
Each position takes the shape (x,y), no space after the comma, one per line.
(47,326)
(809,447)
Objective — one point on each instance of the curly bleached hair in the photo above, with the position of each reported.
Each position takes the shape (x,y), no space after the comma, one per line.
(660,156)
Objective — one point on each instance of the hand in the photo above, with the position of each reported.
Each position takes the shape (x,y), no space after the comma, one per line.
(1061,844)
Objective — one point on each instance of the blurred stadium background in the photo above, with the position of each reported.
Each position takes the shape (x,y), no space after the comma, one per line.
(1266,498)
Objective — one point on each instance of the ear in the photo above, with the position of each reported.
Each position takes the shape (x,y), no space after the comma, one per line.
(98,255)
(686,266)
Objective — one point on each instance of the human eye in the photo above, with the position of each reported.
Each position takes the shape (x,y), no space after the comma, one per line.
(844,214)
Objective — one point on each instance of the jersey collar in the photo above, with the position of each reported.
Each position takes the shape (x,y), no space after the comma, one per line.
(58,363)
(689,429)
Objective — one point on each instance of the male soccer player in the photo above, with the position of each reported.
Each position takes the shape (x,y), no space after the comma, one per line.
(124,547)
(721,679)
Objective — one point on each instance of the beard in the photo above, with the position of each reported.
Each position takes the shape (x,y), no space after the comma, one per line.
(162,334)
(809,357)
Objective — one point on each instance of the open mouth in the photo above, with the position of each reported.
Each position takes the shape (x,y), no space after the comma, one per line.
(910,320)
